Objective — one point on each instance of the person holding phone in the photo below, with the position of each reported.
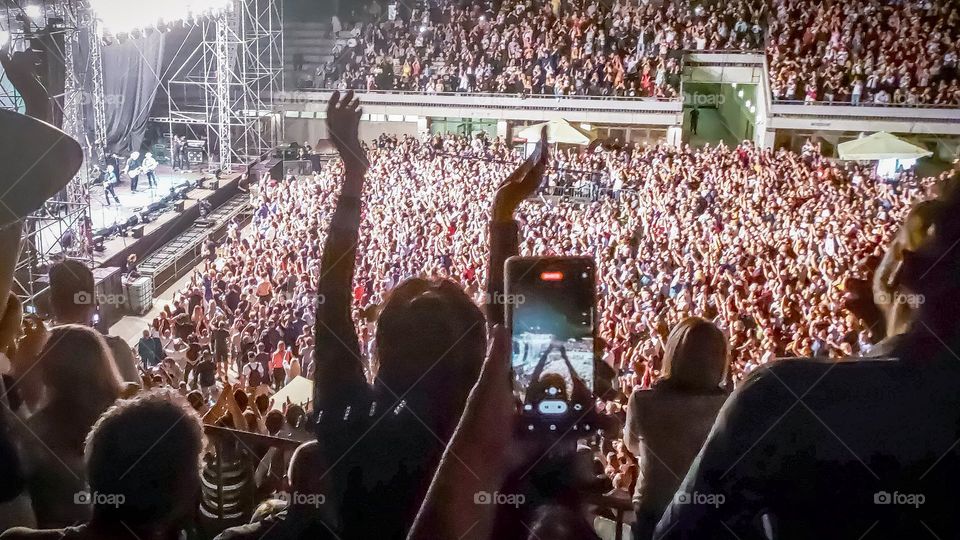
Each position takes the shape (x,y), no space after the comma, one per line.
(387,438)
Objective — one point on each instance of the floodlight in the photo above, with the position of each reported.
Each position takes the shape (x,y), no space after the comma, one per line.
(33,11)
(121,16)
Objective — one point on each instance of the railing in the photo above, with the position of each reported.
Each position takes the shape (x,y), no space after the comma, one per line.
(867,104)
(606,506)
(250,448)
(520,95)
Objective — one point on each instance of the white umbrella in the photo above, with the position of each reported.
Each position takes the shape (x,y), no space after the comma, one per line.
(880,145)
(558,131)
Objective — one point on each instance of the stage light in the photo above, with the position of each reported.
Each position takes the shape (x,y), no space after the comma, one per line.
(120,16)
(33,11)
(748,103)
(740,93)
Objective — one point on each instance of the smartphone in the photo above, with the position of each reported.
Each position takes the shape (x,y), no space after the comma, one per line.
(550,305)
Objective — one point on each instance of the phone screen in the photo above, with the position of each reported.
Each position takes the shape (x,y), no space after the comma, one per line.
(551,314)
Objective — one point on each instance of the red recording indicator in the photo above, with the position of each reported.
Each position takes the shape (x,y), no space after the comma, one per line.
(551,276)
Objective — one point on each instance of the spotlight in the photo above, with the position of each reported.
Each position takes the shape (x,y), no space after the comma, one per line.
(740,93)
(748,103)
(33,11)
(423,29)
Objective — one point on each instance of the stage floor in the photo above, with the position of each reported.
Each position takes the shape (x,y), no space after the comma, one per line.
(104,216)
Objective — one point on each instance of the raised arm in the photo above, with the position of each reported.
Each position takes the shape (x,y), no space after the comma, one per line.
(338,372)
(504,232)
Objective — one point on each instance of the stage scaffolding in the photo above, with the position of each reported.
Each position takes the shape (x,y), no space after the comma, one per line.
(61,229)
(226,87)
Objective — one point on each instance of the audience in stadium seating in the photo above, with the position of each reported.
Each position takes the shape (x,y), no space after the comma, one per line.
(838,448)
(666,425)
(878,52)
(875,51)
(141,462)
(588,48)
(74,357)
(372,275)
(74,300)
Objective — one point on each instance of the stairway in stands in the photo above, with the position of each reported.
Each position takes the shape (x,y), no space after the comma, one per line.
(314,40)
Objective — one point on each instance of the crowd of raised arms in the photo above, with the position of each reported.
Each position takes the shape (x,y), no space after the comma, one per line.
(882,51)
(378,277)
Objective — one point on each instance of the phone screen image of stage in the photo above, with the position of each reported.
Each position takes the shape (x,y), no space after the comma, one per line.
(553,326)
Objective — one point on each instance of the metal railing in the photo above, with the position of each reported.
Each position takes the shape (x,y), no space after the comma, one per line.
(606,506)
(867,104)
(248,448)
(520,95)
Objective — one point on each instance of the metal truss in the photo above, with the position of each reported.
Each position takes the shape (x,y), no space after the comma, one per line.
(61,229)
(228,84)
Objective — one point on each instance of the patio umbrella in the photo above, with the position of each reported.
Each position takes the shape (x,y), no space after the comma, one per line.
(558,132)
(880,145)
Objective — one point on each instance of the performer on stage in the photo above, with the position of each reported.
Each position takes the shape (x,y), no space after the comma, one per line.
(132,169)
(109,181)
(176,145)
(148,166)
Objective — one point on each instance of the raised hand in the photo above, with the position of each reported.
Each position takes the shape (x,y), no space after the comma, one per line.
(343,123)
(522,183)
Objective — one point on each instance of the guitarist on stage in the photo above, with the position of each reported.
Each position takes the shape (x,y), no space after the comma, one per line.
(109,181)
(148,166)
(132,169)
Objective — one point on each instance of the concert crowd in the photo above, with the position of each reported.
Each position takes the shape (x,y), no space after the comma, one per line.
(590,48)
(878,52)
(377,279)
(900,53)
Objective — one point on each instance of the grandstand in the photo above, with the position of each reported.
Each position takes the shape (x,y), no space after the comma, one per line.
(271,238)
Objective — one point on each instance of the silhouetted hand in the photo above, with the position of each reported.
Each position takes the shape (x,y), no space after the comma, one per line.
(522,183)
(343,122)
(22,72)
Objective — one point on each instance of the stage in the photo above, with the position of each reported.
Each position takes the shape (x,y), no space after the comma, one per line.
(104,216)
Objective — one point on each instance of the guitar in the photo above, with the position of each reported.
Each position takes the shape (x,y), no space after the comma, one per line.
(135,172)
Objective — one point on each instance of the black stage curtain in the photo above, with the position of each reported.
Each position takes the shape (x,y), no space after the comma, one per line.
(132,73)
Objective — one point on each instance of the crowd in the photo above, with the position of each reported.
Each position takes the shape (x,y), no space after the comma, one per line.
(881,51)
(877,51)
(671,239)
(586,47)
(379,276)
